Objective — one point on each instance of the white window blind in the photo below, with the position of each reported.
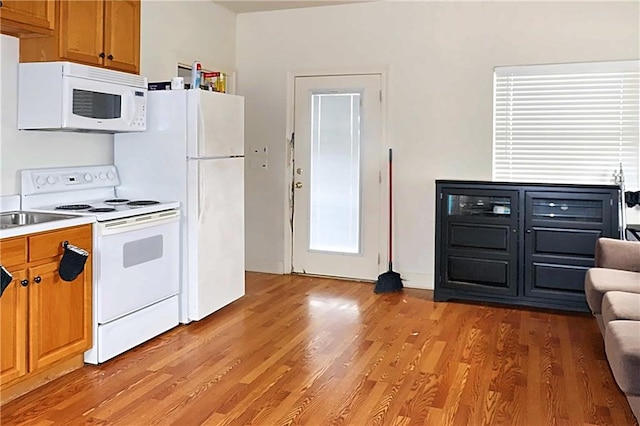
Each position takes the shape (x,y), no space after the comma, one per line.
(568,123)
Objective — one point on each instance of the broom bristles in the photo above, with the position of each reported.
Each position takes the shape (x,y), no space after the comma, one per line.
(388,282)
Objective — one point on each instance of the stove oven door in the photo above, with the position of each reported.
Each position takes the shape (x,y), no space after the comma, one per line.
(138,263)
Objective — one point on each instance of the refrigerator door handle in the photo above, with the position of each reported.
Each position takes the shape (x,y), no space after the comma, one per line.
(201,131)
(200,195)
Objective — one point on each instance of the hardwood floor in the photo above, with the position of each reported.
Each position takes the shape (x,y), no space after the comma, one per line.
(300,350)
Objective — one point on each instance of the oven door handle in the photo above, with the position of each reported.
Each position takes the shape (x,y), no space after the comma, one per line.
(138,222)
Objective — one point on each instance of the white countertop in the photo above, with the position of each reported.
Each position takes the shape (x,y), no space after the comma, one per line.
(45,226)
(9,203)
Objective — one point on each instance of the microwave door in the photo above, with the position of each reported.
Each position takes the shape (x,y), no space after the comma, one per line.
(99,105)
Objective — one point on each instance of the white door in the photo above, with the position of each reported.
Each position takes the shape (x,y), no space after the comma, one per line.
(337,164)
(215,124)
(216,239)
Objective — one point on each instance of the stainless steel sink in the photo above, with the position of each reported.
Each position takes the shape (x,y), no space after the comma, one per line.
(22,218)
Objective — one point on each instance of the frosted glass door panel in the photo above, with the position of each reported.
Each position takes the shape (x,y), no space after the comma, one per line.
(335,173)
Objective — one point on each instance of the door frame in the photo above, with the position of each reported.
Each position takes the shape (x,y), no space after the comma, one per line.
(289,152)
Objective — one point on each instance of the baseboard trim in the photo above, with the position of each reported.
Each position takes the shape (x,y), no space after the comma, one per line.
(265,265)
(28,383)
(417,280)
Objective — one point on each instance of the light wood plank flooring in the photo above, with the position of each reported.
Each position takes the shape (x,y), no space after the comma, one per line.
(314,351)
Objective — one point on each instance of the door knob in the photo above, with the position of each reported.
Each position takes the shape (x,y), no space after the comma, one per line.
(298,185)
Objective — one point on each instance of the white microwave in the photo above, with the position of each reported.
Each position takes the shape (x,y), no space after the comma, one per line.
(74,97)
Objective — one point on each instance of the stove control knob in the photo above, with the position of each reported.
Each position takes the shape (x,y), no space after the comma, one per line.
(51,180)
(102,176)
(40,180)
(88,177)
(110,175)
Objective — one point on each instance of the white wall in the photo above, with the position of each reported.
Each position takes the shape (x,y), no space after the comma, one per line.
(27,149)
(171,31)
(182,31)
(439,57)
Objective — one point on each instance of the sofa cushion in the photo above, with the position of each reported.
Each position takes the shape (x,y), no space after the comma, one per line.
(620,305)
(622,345)
(617,254)
(598,281)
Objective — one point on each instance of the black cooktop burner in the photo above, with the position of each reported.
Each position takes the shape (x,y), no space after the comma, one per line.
(142,202)
(102,210)
(74,207)
(116,201)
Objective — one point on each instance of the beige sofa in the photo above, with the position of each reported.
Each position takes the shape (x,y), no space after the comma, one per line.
(612,288)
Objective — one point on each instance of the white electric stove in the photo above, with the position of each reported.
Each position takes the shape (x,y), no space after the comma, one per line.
(136,252)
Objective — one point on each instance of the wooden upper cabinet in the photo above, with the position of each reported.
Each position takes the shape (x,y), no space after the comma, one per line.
(104,33)
(27,18)
(81,31)
(122,35)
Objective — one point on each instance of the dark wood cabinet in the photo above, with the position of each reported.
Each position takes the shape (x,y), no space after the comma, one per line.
(480,243)
(525,244)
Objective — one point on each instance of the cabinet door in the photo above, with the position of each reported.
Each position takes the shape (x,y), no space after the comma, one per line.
(81,31)
(13,332)
(122,35)
(560,238)
(480,245)
(36,15)
(59,314)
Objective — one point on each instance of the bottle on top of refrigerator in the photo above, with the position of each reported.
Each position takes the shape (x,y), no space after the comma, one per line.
(196,71)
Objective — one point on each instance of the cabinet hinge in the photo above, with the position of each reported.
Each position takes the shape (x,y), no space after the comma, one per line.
(380,95)
(378,258)
(441,195)
(379,177)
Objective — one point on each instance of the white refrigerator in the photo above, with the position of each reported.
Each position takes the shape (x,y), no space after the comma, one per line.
(193,152)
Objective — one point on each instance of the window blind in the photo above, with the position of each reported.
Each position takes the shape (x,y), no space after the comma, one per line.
(567,123)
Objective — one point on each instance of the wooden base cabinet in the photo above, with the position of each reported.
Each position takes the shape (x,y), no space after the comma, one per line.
(101,33)
(522,244)
(45,320)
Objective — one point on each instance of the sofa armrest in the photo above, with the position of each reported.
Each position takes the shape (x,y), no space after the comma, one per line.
(618,254)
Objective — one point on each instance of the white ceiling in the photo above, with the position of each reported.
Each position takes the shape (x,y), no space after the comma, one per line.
(242,6)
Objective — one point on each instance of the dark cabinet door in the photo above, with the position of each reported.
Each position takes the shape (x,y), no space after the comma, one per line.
(561,230)
(479,241)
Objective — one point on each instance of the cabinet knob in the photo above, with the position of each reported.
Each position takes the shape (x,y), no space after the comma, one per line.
(23,283)
(1,4)
(528,231)
(101,55)
(37,280)
(514,230)
(110,57)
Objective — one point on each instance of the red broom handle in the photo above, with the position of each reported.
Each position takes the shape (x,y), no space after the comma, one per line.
(390,209)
